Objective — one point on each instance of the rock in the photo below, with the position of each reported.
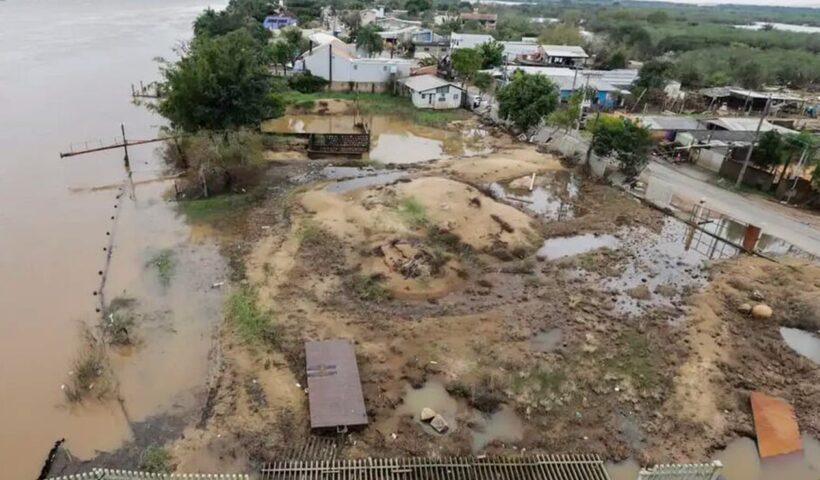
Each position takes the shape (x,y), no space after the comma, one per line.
(667,291)
(762,311)
(427,414)
(641,292)
(439,424)
(756,295)
(746,308)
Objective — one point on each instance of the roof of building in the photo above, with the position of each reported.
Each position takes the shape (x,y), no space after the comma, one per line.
(422,83)
(664,122)
(722,92)
(321,38)
(335,393)
(745,124)
(340,49)
(520,48)
(622,78)
(567,51)
(468,40)
(479,16)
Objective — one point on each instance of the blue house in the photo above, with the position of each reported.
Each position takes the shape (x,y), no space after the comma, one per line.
(275,22)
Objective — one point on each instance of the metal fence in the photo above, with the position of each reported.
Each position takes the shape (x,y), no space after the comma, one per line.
(537,467)
(106,474)
(704,471)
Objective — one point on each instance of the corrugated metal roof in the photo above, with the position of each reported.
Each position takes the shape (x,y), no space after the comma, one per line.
(569,51)
(334,388)
(479,16)
(422,83)
(739,92)
(622,78)
(745,124)
(468,40)
(660,122)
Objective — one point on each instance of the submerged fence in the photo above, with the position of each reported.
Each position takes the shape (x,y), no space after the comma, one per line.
(106,474)
(705,471)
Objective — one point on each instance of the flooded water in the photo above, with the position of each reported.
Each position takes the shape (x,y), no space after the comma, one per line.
(552,202)
(559,247)
(786,27)
(503,426)
(741,462)
(431,395)
(803,342)
(393,139)
(547,341)
(65,75)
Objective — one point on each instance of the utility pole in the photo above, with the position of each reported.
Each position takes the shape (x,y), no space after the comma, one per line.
(125,147)
(754,141)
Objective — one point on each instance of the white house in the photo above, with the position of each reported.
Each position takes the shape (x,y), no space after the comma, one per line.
(338,63)
(429,91)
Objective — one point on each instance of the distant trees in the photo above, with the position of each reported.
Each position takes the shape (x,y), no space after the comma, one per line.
(219,83)
(628,142)
(527,100)
(483,81)
(492,54)
(654,75)
(369,40)
(561,34)
(416,7)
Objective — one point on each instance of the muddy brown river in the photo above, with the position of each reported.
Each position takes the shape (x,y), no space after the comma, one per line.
(65,75)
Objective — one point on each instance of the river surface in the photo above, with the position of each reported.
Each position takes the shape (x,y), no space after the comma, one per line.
(65,75)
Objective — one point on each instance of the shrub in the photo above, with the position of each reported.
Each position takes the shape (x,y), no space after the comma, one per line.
(307,83)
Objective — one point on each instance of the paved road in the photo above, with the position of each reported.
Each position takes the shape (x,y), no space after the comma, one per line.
(795,227)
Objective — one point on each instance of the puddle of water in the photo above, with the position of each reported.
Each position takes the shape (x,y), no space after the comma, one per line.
(431,395)
(560,247)
(503,425)
(741,462)
(393,139)
(548,202)
(547,341)
(803,342)
(626,470)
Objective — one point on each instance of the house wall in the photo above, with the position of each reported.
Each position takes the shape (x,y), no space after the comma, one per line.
(438,51)
(604,99)
(754,177)
(711,159)
(356,70)
(444,98)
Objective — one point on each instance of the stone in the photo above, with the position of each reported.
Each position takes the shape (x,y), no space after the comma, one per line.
(756,295)
(641,292)
(427,414)
(762,311)
(745,308)
(439,424)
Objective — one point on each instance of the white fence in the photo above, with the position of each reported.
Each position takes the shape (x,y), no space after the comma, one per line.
(105,474)
(702,471)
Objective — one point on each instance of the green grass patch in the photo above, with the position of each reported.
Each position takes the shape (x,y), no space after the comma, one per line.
(310,232)
(163,261)
(381,104)
(254,324)
(216,207)
(635,359)
(413,212)
(540,380)
(369,288)
(155,460)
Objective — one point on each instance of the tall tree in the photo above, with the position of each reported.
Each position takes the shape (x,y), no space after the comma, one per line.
(219,83)
(466,62)
(569,115)
(654,75)
(369,40)
(484,81)
(492,54)
(527,100)
(626,140)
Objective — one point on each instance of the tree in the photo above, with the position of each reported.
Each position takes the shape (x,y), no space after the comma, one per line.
(794,146)
(627,141)
(283,53)
(658,17)
(492,54)
(484,81)
(654,75)
(415,7)
(466,62)
(561,34)
(527,100)
(769,150)
(568,116)
(610,60)
(211,24)
(369,40)
(218,83)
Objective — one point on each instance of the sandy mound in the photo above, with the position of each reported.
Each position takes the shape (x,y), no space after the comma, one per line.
(503,165)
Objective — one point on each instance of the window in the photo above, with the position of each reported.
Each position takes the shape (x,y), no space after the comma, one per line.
(384,68)
(455,97)
(355,67)
(423,96)
(442,90)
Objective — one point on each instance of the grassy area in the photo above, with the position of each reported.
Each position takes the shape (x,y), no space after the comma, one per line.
(412,212)
(369,288)
(253,323)
(155,460)
(635,359)
(163,261)
(380,104)
(214,208)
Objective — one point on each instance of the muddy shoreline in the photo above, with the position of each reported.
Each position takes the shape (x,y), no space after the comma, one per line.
(452,279)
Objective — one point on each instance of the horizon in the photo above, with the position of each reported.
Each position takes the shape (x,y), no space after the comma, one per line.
(755,3)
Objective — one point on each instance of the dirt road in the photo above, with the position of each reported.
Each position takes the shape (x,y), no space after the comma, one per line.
(793,226)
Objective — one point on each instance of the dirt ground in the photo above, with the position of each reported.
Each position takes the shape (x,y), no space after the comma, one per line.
(437,280)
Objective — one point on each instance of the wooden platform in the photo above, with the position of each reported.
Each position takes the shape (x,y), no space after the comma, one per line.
(775,425)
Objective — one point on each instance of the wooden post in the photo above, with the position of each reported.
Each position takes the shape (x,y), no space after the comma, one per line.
(125,147)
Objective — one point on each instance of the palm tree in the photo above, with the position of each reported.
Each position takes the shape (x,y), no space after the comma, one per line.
(369,40)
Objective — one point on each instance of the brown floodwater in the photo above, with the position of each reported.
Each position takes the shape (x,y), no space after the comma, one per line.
(65,75)
(393,139)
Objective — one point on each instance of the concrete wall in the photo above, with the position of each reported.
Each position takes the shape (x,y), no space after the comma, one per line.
(754,177)
(711,159)
(360,70)
(365,87)
(448,97)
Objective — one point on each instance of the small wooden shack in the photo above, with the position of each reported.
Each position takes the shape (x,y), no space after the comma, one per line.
(335,393)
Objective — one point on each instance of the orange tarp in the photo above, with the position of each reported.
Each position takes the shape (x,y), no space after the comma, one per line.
(776,426)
